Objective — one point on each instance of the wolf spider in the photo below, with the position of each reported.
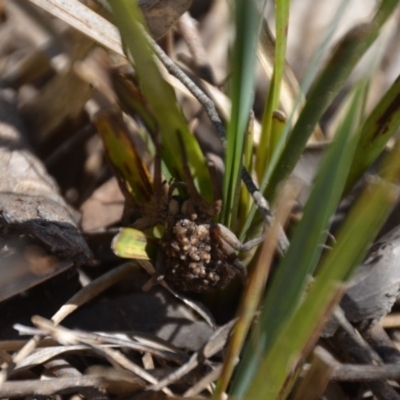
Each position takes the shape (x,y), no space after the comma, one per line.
(197,254)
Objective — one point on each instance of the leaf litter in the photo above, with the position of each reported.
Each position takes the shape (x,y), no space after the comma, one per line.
(54,102)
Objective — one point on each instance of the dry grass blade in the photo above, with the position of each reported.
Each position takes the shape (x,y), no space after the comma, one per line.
(316,378)
(254,289)
(205,382)
(84,20)
(147,340)
(94,289)
(121,382)
(8,367)
(61,369)
(40,356)
(391,321)
(213,346)
(12,345)
(83,296)
(66,336)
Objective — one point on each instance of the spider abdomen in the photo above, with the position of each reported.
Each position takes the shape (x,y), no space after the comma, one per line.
(192,259)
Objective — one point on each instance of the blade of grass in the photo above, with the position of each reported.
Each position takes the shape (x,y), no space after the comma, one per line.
(128,166)
(278,122)
(317,377)
(248,18)
(358,231)
(253,292)
(304,252)
(84,20)
(251,223)
(160,96)
(378,128)
(132,101)
(267,139)
(290,93)
(326,87)
(277,129)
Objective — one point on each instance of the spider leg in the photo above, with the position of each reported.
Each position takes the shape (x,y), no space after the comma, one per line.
(263,208)
(240,268)
(231,239)
(145,223)
(228,247)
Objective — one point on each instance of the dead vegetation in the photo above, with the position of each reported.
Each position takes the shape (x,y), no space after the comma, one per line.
(95,332)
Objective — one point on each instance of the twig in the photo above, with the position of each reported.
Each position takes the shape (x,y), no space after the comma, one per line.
(365,373)
(49,387)
(340,317)
(199,94)
(346,344)
(377,337)
(357,372)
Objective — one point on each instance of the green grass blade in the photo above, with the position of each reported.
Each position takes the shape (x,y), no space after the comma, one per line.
(326,87)
(375,132)
(304,252)
(132,101)
(278,122)
(123,156)
(359,229)
(248,17)
(268,139)
(253,292)
(160,96)
(297,100)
